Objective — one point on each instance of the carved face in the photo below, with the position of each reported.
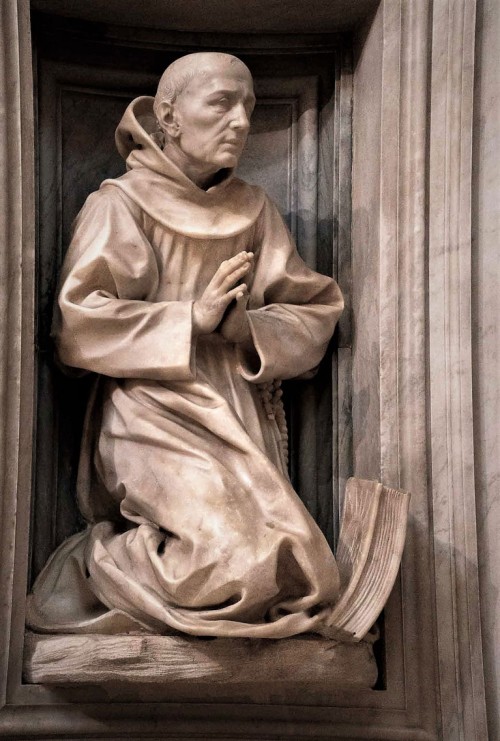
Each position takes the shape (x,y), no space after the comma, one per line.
(212,116)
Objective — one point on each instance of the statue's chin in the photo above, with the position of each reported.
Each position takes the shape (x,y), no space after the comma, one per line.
(228,160)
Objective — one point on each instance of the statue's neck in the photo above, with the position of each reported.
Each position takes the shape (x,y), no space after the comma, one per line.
(202,175)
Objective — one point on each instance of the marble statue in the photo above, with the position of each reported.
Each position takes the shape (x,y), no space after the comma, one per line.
(183,292)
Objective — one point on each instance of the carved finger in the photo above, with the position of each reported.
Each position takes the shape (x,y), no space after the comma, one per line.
(242,297)
(233,277)
(233,293)
(230,266)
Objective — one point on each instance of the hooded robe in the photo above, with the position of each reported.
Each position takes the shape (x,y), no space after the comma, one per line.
(193,524)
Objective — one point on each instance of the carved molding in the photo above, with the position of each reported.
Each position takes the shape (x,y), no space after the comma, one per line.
(17,239)
(424,346)
(342,269)
(450,363)
(402,327)
(402,248)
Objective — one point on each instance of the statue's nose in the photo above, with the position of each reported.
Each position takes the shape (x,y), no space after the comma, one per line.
(241,119)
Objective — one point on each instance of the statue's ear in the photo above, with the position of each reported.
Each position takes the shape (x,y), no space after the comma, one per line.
(167,119)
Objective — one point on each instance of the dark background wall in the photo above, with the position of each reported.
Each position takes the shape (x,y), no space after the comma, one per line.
(86,73)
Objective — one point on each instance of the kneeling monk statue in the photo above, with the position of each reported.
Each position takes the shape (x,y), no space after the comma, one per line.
(183,291)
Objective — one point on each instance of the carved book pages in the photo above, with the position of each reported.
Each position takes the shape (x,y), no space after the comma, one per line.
(370,547)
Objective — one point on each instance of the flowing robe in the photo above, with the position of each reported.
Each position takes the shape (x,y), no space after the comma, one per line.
(193,523)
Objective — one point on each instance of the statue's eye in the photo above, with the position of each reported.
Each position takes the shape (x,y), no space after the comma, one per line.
(223,102)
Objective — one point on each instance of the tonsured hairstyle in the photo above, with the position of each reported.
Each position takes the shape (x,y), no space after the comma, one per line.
(179,74)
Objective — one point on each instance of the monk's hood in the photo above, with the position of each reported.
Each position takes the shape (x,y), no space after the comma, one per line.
(169,196)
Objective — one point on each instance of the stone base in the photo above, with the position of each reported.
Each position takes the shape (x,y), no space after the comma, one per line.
(130,659)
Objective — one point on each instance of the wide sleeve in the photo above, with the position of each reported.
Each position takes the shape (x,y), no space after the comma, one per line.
(292,310)
(106,318)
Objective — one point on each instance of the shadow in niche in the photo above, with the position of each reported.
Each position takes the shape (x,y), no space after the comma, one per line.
(61,410)
(380,655)
(361,34)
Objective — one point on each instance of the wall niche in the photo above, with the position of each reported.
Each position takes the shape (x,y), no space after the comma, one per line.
(342,141)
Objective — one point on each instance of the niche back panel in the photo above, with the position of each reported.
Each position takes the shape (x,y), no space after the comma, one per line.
(302,118)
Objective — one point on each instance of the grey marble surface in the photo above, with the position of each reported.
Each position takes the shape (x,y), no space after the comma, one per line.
(486,325)
(402,37)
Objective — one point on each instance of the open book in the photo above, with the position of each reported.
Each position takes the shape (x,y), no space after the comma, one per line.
(369,551)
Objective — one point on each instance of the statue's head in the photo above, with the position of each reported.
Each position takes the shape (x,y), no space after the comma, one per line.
(203,105)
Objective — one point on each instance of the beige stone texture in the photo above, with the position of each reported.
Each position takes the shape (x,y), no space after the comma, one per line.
(425,414)
(486,340)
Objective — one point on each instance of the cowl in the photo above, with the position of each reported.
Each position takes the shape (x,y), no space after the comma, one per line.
(166,194)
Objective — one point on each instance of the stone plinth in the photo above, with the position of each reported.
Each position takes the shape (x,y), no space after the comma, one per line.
(98,659)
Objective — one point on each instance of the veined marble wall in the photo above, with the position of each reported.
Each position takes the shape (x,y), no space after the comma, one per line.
(428,416)
(486,324)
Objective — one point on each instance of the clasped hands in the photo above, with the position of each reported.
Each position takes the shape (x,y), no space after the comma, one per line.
(210,308)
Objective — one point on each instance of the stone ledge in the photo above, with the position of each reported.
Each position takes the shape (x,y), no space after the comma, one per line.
(145,659)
